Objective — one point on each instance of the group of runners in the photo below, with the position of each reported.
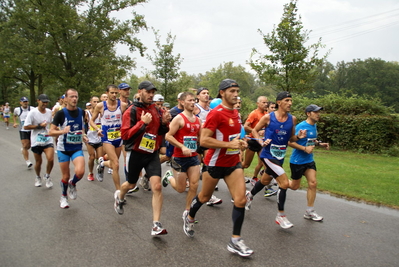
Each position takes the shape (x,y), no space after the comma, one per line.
(188,135)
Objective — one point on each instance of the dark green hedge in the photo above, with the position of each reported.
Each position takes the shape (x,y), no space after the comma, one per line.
(363,133)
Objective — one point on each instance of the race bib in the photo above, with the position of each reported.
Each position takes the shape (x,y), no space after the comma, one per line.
(278,151)
(113,134)
(94,129)
(148,142)
(232,151)
(22,123)
(190,142)
(74,137)
(311,142)
(42,139)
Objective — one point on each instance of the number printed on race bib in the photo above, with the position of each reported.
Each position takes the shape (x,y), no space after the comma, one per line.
(148,142)
(232,151)
(42,139)
(113,134)
(278,151)
(74,137)
(190,142)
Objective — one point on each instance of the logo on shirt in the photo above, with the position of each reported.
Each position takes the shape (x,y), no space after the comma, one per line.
(231,122)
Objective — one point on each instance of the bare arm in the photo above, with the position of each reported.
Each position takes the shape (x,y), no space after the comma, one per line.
(97,110)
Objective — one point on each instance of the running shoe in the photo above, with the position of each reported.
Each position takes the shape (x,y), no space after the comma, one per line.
(165,180)
(110,171)
(118,205)
(249,200)
(254,180)
(261,172)
(312,215)
(274,182)
(133,190)
(100,170)
(214,201)
(38,181)
(247,180)
(29,164)
(49,183)
(90,177)
(216,188)
(73,194)
(270,192)
(187,225)
(145,183)
(185,213)
(158,230)
(64,202)
(239,248)
(283,222)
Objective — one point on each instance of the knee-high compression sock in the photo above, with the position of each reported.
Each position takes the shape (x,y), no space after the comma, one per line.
(194,207)
(238,218)
(281,196)
(64,187)
(75,179)
(257,187)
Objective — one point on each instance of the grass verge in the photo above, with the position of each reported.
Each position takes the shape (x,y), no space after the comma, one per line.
(363,177)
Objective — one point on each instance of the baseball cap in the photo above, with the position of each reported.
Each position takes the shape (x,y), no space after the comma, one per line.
(123,86)
(312,107)
(88,104)
(226,83)
(147,86)
(199,90)
(166,105)
(282,95)
(158,97)
(44,98)
(62,97)
(179,95)
(24,99)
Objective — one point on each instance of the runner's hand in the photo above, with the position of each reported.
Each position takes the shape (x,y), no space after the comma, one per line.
(146,117)
(266,142)
(302,134)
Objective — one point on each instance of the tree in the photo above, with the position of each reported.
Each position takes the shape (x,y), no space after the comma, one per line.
(166,65)
(290,65)
(75,48)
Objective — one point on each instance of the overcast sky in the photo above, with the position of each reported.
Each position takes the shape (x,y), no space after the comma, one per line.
(211,32)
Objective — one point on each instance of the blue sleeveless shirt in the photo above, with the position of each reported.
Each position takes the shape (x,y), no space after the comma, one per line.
(280,133)
(71,141)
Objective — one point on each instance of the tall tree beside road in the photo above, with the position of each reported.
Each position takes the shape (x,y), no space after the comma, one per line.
(166,65)
(71,41)
(290,65)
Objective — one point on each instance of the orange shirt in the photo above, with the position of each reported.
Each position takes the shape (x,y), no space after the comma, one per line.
(254,117)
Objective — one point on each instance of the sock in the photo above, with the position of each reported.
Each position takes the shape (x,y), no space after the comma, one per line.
(309,209)
(280,213)
(64,187)
(257,187)
(238,219)
(235,239)
(75,180)
(194,207)
(281,196)
(47,176)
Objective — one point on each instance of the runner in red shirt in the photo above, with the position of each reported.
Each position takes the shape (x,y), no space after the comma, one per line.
(221,133)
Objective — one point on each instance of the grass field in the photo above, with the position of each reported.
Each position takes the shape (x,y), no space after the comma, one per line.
(370,178)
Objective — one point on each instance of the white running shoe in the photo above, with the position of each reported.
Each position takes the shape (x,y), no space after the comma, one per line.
(283,222)
(214,201)
(164,179)
(249,200)
(38,181)
(64,202)
(29,164)
(239,248)
(118,204)
(312,215)
(110,171)
(49,183)
(73,194)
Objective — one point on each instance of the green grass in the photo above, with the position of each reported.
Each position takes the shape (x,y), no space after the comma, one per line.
(370,178)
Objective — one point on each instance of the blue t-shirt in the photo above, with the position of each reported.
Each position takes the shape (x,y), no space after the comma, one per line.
(299,156)
(280,133)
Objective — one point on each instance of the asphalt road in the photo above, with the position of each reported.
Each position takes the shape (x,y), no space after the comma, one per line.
(35,231)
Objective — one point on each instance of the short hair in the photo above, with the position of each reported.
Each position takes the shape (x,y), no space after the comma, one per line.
(185,94)
(70,89)
(111,86)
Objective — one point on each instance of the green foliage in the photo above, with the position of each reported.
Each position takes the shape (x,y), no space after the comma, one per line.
(166,65)
(290,65)
(53,44)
